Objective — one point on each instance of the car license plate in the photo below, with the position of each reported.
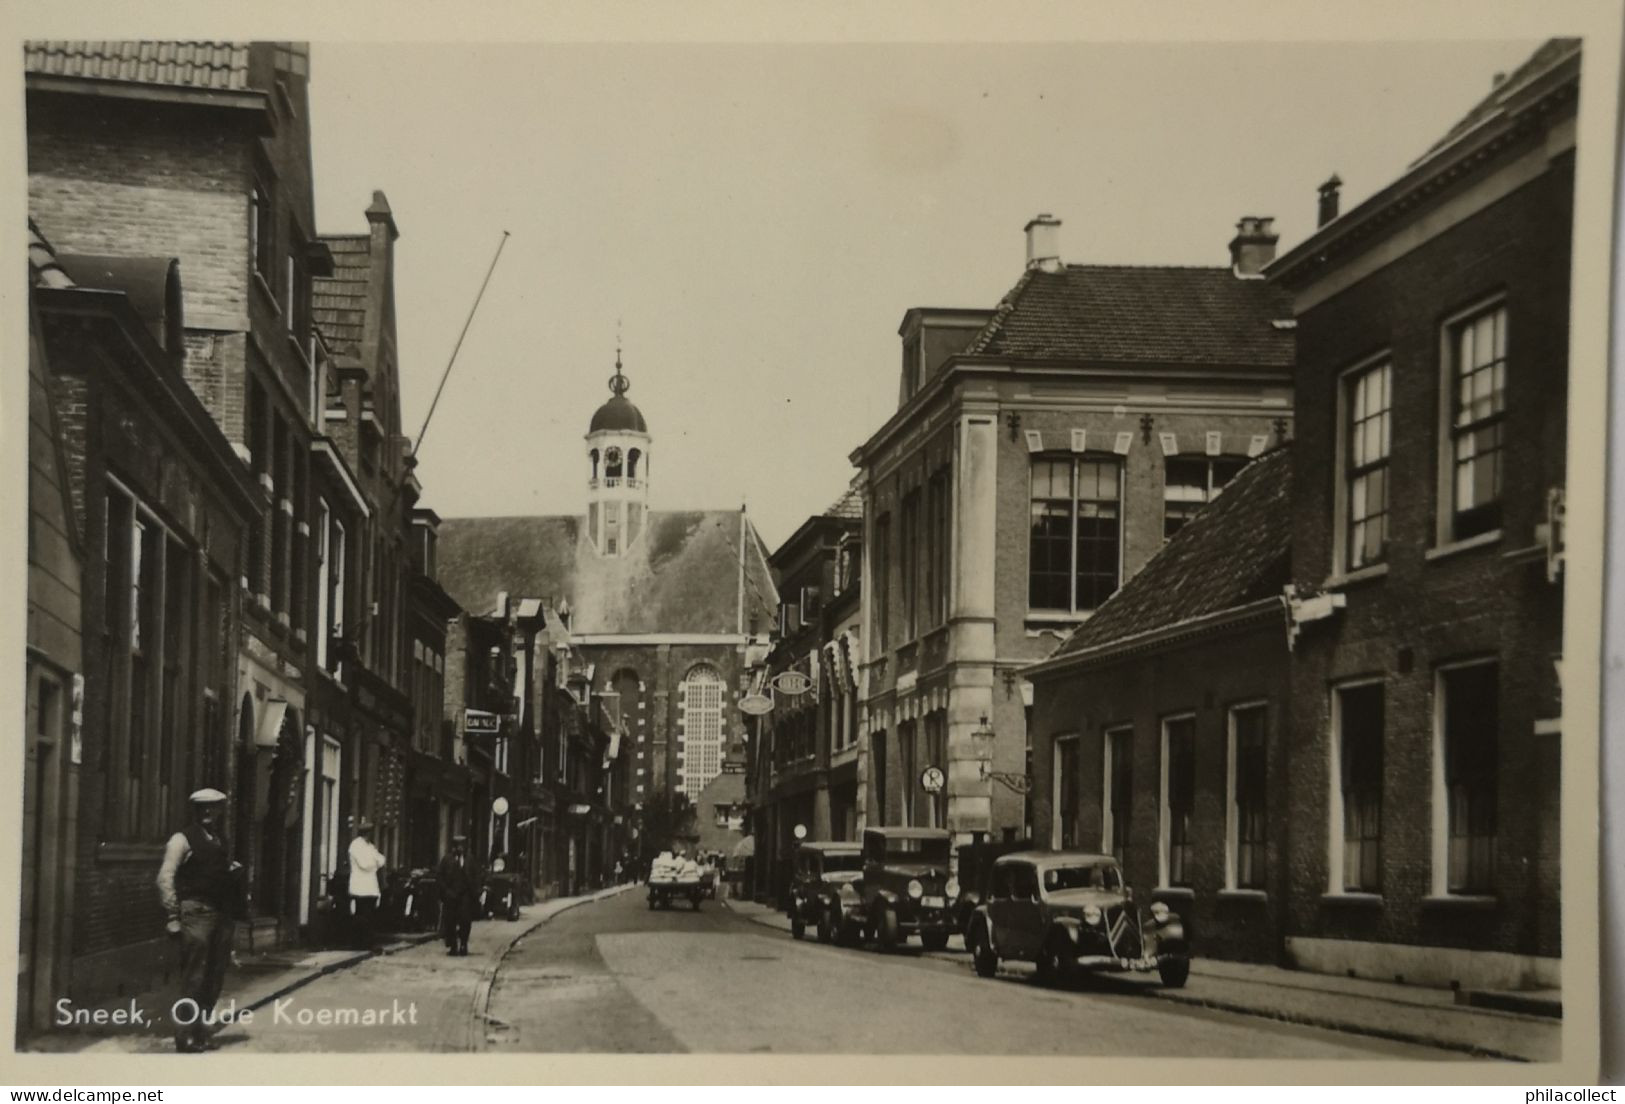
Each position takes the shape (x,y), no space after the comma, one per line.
(933,902)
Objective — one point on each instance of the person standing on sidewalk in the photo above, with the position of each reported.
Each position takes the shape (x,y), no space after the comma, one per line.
(459,889)
(200,888)
(365,862)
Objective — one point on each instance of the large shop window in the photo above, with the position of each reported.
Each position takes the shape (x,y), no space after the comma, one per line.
(1179,795)
(1074,547)
(1368,400)
(1248,756)
(1470,722)
(1189,483)
(1477,388)
(1359,767)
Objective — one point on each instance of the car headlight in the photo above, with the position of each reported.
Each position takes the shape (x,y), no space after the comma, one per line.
(952,888)
(1091,915)
(915,889)
(498,866)
(1159,912)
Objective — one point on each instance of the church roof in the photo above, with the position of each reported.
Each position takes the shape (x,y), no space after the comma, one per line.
(681,576)
(617,414)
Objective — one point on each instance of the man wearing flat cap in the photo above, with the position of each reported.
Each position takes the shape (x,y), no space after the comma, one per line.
(199,886)
(365,862)
(459,889)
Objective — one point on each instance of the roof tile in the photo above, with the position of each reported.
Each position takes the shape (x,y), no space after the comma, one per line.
(191,64)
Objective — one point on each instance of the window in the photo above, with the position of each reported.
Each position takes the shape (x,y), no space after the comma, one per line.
(322,539)
(702,729)
(1248,759)
(261,237)
(1179,798)
(1358,762)
(908,557)
(1468,732)
(937,545)
(1065,790)
(1189,483)
(612,466)
(1477,388)
(936,755)
(331,754)
(290,294)
(259,463)
(1368,400)
(877,763)
(906,760)
(1075,529)
(1119,776)
(336,573)
(882,581)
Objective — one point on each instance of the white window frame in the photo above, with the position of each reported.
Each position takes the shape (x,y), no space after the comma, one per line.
(1073,739)
(1334,777)
(1076,460)
(1440,789)
(1164,817)
(1232,811)
(1445,516)
(1340,485)
(324,517)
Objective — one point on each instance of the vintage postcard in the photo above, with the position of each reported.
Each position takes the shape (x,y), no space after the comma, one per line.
(885,549)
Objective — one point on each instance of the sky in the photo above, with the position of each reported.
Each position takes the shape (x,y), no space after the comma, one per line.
(752,221)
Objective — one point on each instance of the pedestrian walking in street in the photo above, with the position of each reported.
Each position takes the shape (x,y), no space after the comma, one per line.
(200,888)
(459,890)
(365,863)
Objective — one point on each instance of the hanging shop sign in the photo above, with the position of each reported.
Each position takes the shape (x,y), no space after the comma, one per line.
(793,683)
(481,722)
(932,779)
(756,704)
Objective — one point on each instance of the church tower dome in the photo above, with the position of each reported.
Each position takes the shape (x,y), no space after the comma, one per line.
(618,471)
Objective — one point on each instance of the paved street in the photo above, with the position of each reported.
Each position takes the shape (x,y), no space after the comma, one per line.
(612,976)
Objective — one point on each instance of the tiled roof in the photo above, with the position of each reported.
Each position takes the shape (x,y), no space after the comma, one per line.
(1550,53)
(682,576)
(339,302)
(44,270)
(1125,314)
(1234,551)
(192,64)
(849,506)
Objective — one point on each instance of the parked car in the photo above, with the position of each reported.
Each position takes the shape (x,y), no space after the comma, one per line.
(1069,911)
(906,887)
(826,891)
(975,867)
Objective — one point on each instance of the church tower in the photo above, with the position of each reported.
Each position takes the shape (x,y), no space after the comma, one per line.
(618,483)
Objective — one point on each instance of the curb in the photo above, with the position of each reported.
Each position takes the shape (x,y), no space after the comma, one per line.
(480,1013)
(1329,1023)
(333,967)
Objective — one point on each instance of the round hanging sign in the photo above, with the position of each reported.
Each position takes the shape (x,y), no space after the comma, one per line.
(932,779)
(792,683)
(756,704)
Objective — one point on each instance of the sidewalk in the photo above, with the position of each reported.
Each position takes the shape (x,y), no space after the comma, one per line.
(1385,1010)
(256,980)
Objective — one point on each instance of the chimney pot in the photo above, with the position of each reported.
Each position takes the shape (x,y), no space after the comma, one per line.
(1329,192)
(1253,247)
(1044,243)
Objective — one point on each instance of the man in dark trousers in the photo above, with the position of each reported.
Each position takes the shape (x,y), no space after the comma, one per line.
(459,890)
(199,886)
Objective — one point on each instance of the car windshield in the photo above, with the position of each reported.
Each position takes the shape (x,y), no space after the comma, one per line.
(833,863)
(1085,876)
(917,850)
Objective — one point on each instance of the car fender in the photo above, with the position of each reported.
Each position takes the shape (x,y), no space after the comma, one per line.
(1170,936)
(980,919)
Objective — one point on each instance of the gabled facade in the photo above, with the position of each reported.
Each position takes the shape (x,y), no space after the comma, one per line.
(1042,452)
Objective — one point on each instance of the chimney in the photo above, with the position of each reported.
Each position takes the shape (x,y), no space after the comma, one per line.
(1044,243)
(1253,247)
(1328,200)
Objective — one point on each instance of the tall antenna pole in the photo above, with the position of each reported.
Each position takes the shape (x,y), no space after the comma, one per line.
(444,375)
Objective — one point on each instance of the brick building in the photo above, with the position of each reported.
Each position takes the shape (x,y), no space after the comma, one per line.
(804,774)
(201,151)
(653,616)
(1156,726)
(1426,553)
(1040,454)
(155,491)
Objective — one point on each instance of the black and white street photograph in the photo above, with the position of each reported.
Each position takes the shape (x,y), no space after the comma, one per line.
(890,547)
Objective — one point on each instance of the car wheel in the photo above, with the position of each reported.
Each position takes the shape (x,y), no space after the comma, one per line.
(798,928)
(934,940)
(1054,963)
(983,956)
(1174,971)
(827,927)
(886,933)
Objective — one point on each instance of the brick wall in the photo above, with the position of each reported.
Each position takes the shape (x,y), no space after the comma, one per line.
(1204,678)
(1483,601)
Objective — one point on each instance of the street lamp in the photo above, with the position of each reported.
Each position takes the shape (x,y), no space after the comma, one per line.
(983,740)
